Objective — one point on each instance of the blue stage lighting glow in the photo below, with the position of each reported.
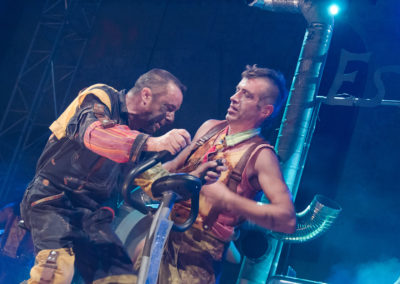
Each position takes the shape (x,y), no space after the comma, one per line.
(333,9)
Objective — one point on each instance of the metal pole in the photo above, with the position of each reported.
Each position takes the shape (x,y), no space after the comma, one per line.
(297,125)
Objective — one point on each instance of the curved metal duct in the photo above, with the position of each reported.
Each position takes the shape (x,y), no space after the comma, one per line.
(316,219)
(312,222)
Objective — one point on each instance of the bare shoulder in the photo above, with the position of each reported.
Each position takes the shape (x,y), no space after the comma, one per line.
(263,159)
(263,170)
(266,157)
(205,127)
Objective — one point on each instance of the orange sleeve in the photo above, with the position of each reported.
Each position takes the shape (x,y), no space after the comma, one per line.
(117,143)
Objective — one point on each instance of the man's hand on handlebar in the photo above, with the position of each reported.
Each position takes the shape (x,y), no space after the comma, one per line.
(210,172)
(173,141)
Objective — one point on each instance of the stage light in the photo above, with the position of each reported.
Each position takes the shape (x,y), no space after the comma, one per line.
(334,9)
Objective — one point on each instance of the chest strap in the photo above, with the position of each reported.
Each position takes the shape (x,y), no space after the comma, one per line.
(214,130)
(235,177)
(234,180)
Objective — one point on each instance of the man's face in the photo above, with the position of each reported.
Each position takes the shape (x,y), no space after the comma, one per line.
(245,109)
(161,109)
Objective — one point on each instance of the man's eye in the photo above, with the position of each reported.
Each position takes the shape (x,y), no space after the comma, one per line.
(170,108)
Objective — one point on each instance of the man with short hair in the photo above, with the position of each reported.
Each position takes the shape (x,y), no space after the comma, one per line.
(63,206)
(252,166)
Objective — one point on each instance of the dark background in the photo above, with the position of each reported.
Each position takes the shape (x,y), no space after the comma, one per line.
(354,156)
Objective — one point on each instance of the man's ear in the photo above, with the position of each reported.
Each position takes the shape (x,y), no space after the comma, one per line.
(146,95)
(267,110)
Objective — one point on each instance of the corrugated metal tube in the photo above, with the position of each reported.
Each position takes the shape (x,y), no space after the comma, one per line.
(316,219)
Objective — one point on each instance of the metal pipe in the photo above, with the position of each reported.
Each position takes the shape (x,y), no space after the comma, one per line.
(349,100)
(291,6)
(313,221)
(297,125)
(154,243)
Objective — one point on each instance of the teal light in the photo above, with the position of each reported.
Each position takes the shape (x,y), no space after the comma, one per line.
(334,9)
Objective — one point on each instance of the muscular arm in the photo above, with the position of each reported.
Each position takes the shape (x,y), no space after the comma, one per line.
(264,172)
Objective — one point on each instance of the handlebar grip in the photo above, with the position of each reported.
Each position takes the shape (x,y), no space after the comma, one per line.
(138,205)
(152,161)
(194,211)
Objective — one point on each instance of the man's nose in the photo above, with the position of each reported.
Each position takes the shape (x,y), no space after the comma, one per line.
(235,97)
(170,117)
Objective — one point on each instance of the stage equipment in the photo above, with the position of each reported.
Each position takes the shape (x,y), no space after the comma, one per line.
(313,221)
(301,112)
(171,189)
(279,279)
(334,9)
(43,85)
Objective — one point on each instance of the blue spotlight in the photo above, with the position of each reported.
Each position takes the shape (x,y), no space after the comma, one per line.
(334,9)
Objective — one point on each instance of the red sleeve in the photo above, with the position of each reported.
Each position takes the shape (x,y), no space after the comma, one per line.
(117,143)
